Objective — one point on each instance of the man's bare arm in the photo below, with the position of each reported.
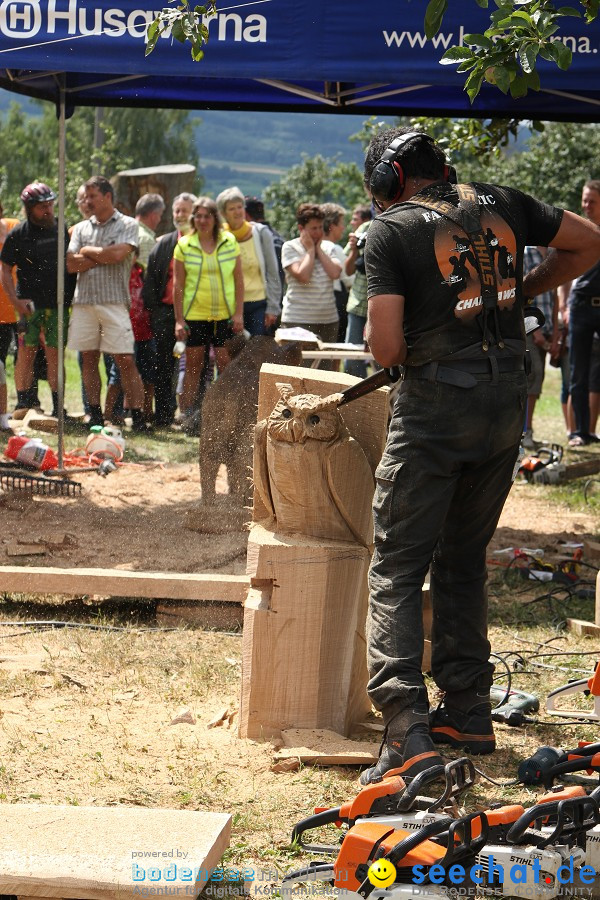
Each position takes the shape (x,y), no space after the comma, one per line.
(78,263)
(20,304)
(385,329)
(577,249)
(106,256)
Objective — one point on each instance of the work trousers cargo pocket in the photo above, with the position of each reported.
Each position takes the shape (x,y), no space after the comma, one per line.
(386,499)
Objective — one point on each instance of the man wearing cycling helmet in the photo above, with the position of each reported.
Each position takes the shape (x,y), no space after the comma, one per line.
(32,247)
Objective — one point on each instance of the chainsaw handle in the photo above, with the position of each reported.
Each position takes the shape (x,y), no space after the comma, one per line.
(458,775)
(469,845)
(573,765)
(574,816)
(399,850)
(327,817)
(433,773)
(522,827)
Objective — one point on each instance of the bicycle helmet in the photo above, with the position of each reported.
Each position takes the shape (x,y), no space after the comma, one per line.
(37,192)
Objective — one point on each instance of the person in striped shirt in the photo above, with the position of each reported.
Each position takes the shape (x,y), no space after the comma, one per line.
(100,253)
(311,268)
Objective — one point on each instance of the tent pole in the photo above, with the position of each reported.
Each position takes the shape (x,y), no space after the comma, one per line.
(60,269)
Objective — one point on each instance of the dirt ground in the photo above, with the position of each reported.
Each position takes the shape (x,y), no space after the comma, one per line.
(137,518)
(87,717)
(134,519)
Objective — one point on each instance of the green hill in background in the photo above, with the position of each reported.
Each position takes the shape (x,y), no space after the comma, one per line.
(253,149)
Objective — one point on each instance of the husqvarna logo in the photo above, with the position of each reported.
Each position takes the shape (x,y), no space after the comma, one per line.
(20,18)
(23,19)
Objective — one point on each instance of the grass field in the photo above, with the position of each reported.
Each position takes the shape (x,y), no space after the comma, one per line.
(163,446)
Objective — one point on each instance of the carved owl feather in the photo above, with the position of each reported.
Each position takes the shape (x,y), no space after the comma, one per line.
(312,476)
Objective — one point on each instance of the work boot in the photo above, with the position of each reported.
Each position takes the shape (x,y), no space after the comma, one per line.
(407,748)
(463,720)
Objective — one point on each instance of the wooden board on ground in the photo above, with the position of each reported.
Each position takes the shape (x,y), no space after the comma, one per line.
(105,852)
(17,549)
(580,626)
(40,422)
(120,583)
(322,747)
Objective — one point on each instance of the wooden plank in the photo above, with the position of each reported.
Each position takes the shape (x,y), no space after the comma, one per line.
(322,747)
(104,852)
(119,583)
(16,549)
(579,626)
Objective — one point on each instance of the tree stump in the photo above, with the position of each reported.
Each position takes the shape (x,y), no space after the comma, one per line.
(167,180)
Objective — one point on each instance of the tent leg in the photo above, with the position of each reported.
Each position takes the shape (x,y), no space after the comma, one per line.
(60,271)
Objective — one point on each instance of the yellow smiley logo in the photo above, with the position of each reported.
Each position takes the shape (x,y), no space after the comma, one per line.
(381,873)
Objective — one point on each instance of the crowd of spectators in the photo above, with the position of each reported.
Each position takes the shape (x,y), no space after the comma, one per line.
(158,311)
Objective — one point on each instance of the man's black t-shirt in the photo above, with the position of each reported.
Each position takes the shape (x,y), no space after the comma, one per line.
(425,257)
(34,251)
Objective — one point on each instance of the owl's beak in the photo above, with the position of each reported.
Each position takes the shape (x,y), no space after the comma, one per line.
(297,429)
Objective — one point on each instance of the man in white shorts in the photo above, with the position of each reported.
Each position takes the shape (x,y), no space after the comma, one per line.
(100,253)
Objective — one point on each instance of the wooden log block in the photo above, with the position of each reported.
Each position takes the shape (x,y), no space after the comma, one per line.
(597,613)
(106,852)
(591,549)
(120,583)
(303,647)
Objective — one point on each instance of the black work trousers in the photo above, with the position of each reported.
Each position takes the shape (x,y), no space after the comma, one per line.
(441,485)
(163,328)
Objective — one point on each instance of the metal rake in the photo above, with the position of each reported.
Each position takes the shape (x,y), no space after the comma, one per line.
(16,478)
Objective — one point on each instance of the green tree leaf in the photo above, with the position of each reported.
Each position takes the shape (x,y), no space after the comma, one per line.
(479,40)
(456,55)
(433,16)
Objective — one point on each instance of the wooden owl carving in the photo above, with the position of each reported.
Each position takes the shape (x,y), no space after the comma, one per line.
(311,475)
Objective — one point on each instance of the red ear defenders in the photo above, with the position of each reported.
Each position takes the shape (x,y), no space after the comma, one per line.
(388,178)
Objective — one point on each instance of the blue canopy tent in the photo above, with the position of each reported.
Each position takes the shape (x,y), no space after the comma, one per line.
(304,55)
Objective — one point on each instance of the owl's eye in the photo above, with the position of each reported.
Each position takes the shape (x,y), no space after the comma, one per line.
(286,413)
(314,420)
